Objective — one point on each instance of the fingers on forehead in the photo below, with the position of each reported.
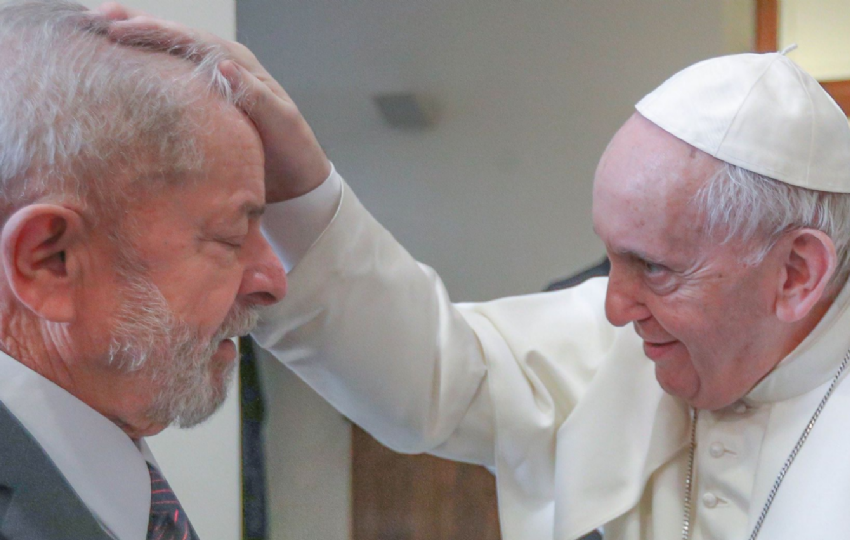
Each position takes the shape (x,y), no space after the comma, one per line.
(118,12)
(159,34)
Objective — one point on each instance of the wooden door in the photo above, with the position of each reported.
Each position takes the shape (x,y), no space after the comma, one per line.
(401,497)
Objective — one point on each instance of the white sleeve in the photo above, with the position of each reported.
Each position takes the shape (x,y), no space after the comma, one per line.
(302,220)
(375,333)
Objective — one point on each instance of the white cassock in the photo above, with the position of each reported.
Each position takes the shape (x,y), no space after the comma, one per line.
(564,406)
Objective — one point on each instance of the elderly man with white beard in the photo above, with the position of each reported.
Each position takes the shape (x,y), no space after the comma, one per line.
(131,189)
(699,392)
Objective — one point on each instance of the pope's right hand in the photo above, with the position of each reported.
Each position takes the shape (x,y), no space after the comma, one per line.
(295,162)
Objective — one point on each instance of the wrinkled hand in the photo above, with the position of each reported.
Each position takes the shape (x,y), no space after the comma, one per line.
(295,163)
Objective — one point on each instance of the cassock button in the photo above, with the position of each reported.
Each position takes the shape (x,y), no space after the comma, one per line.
(709,500)
(716,450)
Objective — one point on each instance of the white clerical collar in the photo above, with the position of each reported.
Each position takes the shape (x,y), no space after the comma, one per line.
(814,361)
(103,465)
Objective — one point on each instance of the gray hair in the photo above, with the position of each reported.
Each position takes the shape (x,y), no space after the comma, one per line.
(738,204)
(86,118)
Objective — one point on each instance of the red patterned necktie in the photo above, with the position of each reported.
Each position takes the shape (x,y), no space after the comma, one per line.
(168,520)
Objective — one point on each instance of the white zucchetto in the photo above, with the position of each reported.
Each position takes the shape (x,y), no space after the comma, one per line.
(761,112)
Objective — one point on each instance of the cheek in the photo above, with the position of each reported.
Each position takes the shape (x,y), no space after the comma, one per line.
(203,296)
(706,337)
(678,318)
(215,301)
(692,361)
(707,318)
(716,348)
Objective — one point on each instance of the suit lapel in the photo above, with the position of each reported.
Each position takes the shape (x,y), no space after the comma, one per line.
(36,501)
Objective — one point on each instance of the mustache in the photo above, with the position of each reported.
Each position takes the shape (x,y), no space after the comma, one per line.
(241,320)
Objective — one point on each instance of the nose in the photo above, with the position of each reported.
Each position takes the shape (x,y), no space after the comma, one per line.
(623,300)
(264,279)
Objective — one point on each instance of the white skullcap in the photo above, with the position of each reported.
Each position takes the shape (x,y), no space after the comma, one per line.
(761,112)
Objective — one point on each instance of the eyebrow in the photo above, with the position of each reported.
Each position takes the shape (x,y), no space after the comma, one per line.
(633,253)
(630,252)
(637,254)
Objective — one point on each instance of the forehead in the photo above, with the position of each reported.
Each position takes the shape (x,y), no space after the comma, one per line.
(232,166)
(644,188)
(227,184)
(229,142)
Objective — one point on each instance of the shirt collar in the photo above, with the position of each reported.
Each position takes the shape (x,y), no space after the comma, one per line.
(103,465)
(815,360)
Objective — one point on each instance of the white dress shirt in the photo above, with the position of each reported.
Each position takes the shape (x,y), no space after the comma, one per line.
(101,463)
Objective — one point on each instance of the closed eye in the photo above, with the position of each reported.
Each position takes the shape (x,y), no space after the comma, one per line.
(232,243)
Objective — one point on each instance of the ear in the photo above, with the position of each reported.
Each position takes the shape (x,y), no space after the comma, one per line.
(34,246)
(809,261)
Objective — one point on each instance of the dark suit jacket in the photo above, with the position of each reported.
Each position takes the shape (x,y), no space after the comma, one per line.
(36,502)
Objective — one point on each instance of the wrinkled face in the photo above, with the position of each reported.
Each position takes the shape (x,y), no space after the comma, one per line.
(199,269)
(706,318)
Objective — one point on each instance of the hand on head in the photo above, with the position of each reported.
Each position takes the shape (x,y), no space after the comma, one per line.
(294,162)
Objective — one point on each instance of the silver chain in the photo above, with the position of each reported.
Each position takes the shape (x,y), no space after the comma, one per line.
(686,526)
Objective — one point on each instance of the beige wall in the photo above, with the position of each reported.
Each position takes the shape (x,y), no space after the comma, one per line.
(308,448)
(739,22)
(216,16)
(820,29)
